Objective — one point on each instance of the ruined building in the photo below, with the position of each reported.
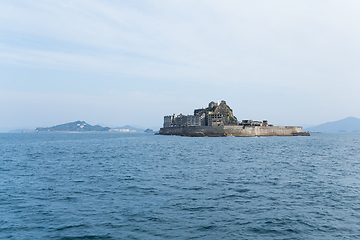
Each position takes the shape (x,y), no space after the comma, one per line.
(214,115)
(219,120)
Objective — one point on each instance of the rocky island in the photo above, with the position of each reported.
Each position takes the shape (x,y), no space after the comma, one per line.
(217,120)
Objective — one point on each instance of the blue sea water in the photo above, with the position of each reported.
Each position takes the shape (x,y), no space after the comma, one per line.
(143,186)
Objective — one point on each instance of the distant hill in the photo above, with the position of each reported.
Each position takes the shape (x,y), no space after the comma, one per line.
(350,124)
(131,128)
(78,126)
(149,130)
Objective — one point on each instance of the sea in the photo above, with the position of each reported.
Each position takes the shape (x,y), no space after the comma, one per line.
(144,186)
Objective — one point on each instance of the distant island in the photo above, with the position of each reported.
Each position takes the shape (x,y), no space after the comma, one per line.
(149,130)
(218,120)
(349,124)
(78,126)
(82,126)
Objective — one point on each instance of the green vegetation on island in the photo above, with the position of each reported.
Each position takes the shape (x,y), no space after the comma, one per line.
(78,126)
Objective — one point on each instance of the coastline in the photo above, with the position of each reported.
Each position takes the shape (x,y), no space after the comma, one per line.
(233,131)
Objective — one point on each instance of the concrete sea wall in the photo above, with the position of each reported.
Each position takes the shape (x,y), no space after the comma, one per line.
(236,131)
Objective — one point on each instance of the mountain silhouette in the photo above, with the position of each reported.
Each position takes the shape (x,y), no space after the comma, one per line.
(349,124)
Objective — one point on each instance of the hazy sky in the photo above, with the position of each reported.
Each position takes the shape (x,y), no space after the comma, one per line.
(132,62)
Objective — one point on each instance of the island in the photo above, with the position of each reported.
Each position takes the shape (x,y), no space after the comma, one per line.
(78,126)
(349,124)
(217,120)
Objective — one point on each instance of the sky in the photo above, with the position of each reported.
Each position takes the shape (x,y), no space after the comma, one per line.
(132,62)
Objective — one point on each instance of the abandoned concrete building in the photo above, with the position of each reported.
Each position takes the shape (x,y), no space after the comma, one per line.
(214,115)
(217,120)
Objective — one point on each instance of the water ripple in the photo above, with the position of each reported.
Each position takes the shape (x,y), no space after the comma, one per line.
(140,186)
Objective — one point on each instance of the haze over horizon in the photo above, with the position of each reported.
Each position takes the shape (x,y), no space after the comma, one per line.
(130,63)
